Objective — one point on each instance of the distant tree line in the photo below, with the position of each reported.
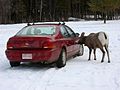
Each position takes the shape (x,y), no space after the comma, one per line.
(18,11)
(108,9)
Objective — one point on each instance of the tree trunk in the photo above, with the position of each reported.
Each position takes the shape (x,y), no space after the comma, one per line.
(71,8)
(104,17)
(95,16)
(41,6)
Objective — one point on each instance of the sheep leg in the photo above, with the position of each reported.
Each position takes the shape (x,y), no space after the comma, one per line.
(107,54)
(90,50)
(94,54)
(103,54)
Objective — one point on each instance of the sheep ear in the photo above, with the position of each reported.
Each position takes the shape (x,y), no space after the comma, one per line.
(82,34)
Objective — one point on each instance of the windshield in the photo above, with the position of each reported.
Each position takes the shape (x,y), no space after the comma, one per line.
(37,30)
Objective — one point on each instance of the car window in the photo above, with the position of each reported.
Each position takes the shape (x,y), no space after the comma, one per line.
(70,31)
(37,30)
(64,32)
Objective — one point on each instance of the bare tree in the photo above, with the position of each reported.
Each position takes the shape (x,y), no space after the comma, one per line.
(41,6)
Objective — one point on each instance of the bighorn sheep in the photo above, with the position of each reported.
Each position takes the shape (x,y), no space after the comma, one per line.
(96,40)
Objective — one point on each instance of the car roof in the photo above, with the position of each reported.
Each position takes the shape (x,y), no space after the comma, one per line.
(54,24)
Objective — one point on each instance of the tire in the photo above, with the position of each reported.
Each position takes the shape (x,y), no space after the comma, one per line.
(14,64)
(81,51)
(61,62)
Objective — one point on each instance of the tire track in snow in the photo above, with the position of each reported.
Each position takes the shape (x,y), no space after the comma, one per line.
(28,78)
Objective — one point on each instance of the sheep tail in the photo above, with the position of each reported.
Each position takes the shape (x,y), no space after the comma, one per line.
(105,36)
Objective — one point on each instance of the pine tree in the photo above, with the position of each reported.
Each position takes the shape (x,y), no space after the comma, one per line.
(104,6)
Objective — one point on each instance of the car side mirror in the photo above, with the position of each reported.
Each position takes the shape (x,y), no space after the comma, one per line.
(77,34)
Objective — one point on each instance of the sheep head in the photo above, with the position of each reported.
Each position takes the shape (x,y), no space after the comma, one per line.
(82,38)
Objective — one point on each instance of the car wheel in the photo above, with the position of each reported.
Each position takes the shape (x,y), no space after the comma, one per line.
(61,62)
(81,51)
(14,64)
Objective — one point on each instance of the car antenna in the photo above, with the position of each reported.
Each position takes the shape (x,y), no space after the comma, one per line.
(63,23)
(28,24)
(59,23)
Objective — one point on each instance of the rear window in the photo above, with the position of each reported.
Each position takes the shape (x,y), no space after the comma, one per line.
(37,30)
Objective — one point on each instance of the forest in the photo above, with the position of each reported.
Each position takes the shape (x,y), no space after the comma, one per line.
(22,11)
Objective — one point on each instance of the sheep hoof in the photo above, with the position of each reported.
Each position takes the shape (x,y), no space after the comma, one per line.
(108,61)
(102,61)
(95,59)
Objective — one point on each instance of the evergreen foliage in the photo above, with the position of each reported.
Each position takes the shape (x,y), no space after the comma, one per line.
(105,7)
(18,11)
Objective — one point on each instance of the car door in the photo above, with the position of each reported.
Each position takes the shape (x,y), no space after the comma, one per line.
(67,41)
(74,40)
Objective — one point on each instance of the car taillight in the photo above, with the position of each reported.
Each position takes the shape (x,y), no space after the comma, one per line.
(9,45)
(49,45)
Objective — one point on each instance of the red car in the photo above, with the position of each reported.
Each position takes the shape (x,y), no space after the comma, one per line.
(44,43)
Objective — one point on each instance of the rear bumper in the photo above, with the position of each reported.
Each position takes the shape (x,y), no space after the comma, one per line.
(37,55)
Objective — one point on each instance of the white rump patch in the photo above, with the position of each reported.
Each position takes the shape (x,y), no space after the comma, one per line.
(102,38)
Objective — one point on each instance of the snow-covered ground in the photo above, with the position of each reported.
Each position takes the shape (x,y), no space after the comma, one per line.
(78,74)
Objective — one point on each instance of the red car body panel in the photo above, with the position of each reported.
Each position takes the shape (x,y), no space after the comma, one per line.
(43,48)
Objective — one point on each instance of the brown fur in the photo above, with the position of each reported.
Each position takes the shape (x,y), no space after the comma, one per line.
(92,42)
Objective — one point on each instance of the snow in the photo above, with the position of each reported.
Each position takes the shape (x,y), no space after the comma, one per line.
(78,74)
